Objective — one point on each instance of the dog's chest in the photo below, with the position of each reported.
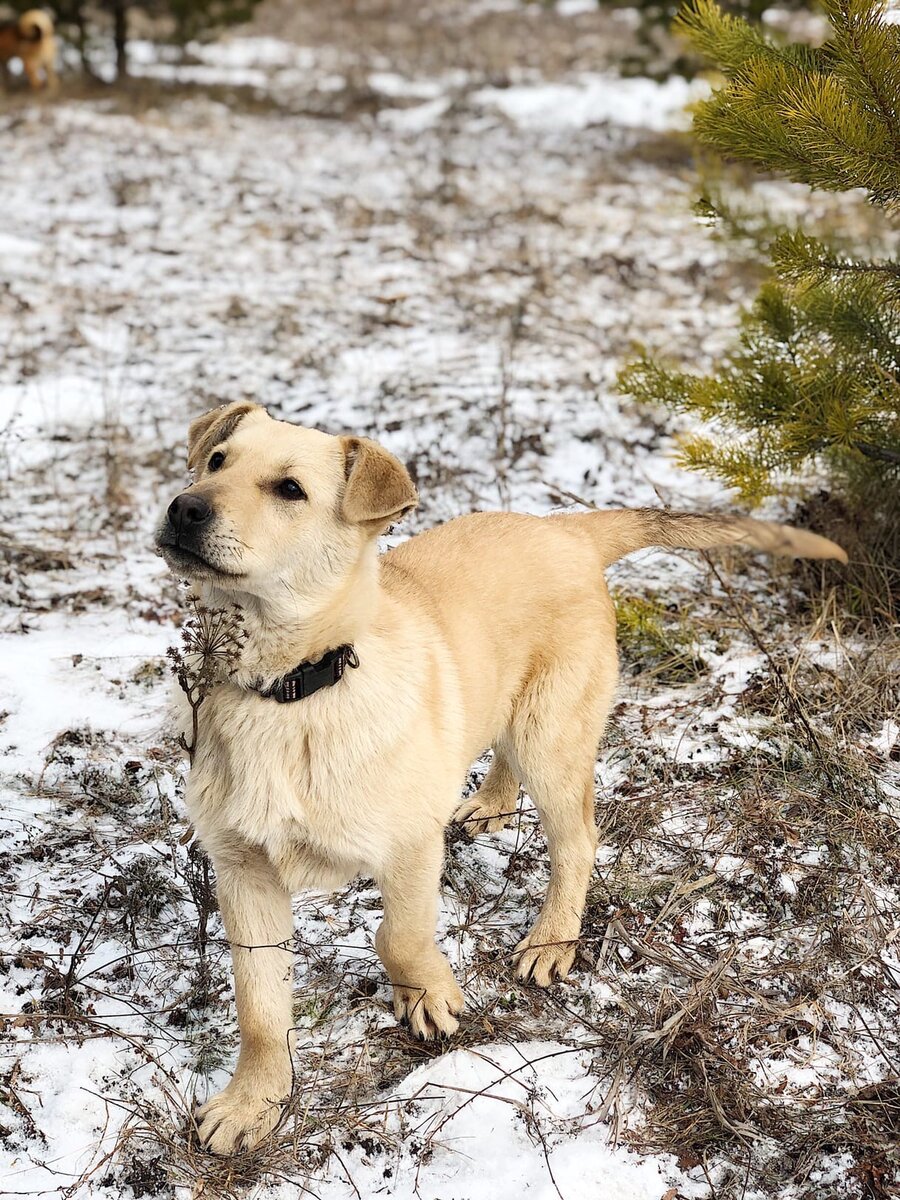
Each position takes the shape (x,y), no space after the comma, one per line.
(293,780)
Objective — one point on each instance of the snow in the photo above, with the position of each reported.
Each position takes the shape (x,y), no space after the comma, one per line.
(417,118)
(391,84)
(14,248)
(49,404)
(75,1115)
(490,1116)
(575,8)
(887,739)
(638,103)
(45,688)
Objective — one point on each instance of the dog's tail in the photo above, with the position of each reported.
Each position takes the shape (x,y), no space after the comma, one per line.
(34,26)
(622,531)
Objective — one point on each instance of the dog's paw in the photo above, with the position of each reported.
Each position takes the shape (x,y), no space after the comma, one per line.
(484,814)
(431,1010)
(238,1119)
(543,957)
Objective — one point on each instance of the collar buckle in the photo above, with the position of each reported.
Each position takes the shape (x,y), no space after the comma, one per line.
(308,677)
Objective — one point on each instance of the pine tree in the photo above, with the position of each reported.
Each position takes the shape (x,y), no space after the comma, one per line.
(812,384)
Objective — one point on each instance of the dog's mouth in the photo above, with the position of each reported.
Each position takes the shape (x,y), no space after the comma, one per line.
(189,561)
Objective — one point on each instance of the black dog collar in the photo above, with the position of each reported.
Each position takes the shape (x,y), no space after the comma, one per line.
(309,677)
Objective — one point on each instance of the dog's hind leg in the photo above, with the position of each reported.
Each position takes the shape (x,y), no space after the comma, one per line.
(557,730)
(548,951)
(496,802)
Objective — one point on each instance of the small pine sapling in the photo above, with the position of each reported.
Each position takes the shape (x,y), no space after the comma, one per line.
(811,388)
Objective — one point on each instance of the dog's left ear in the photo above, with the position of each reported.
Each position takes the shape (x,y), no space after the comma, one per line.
(213,427)
(379,490)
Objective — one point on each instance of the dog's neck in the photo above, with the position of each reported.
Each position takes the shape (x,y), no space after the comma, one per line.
(283,631)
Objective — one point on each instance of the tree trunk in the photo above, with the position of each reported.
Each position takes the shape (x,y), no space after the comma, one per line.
(79,23)
(120,37)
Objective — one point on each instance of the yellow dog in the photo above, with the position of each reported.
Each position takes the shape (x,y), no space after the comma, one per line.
(366,687)
(30,39)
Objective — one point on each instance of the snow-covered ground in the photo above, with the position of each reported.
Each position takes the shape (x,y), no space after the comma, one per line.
(457,267)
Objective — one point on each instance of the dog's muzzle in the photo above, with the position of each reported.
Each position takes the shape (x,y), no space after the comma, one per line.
(181,538)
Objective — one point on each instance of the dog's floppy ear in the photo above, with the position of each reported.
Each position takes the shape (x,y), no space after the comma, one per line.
(213,427)
(379,490)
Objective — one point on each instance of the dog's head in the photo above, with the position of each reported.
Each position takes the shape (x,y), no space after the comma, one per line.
(278,507)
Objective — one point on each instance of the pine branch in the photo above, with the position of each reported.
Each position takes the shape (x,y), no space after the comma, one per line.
(861,30)
(799,258)
(828,117)
(878,453)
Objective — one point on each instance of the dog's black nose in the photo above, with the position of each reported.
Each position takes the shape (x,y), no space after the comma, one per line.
(187,510)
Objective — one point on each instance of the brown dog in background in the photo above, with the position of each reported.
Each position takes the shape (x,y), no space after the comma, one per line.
(30,38)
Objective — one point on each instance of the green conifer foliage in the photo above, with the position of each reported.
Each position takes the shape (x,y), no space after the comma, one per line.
(812,384)
(829,117)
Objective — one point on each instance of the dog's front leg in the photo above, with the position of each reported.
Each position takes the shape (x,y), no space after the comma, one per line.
(425,992)
(256,911)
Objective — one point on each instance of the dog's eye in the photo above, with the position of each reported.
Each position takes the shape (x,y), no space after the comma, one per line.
(216,461)
(290,489)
